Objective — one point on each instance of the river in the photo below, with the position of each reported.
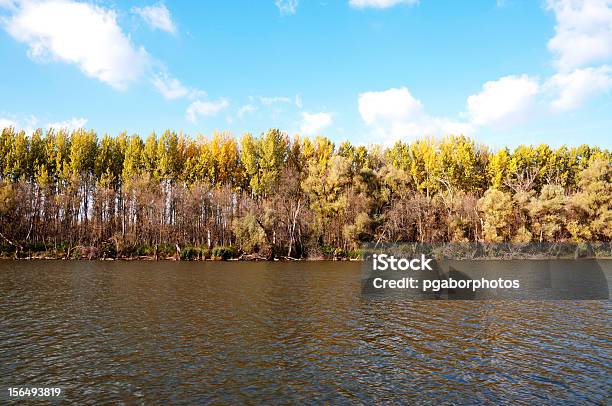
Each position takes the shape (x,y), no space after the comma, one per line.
(301,332)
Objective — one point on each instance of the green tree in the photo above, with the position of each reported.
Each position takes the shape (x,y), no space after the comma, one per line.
(133,159)
(264,160)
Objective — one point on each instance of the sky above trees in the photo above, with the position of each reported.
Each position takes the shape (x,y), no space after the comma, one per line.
(503,72)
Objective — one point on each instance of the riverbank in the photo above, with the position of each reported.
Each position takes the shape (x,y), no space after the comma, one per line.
(169,252)
(258,258)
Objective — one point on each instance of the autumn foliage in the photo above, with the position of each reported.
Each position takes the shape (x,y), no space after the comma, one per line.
(72,193)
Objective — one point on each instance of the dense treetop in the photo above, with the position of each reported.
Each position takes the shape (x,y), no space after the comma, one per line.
(297,196)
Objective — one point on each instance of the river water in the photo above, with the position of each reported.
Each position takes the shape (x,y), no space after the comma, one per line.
(260,332)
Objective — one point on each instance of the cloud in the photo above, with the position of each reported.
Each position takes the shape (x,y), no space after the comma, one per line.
(9,4)
(7,122)
(583,34)
(389,105)
(157,16)
(205,108)
(172,88)
(247,108)
(286,7)
(395,113)
(268,101)
(72,124)
(30,123)
(380,3)
(314,123)
(513,99)
(583,39)
(25,123)
(502,102)
(85,35)
(298,101)
(575,88)
(89,37)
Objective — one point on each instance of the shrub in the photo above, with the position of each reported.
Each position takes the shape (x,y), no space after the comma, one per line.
(224,253)
(355,254)
(190,253)
(328,250)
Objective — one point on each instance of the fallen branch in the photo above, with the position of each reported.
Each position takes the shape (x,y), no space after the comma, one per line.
(14,244)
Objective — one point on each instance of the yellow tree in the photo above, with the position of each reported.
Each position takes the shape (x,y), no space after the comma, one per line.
(496,209)
(497,168)
(226,160)
(591,208)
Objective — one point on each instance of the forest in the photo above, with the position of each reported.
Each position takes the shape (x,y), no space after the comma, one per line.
(71,194)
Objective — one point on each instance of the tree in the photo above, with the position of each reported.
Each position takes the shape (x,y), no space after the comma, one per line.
(590,209)
(263,160)
(149,155)
(226,160)
(547,213)
(325,187)
(496,207)
(175,196)
(497,168)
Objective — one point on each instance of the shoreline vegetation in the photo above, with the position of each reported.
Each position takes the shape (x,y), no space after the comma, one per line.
(85,253)
(72,195)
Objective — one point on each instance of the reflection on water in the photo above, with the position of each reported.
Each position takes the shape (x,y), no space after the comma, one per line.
(161,332)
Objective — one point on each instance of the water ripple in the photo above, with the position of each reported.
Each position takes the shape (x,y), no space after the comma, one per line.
(231,333)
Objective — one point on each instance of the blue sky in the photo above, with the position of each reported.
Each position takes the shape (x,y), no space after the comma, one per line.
(503,72)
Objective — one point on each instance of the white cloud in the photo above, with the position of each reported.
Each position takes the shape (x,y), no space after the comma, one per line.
(85,35)
(389,105)
(314,123)
(7,122)
(380,3)
(421,126)
(157,16)
(25,123)
(72,124)
(394,113)
(247,108)
(30,123)
(172,88)
(268,101)
(502,102)
(10,4)
(583,38)
(576,87)
(205,108)
(298,101)
(286,6)
(513,99)
(583,34)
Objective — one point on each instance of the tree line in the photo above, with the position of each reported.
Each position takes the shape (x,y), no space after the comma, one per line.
(73,194)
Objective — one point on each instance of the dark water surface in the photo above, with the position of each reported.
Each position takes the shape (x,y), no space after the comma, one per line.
(234,333)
